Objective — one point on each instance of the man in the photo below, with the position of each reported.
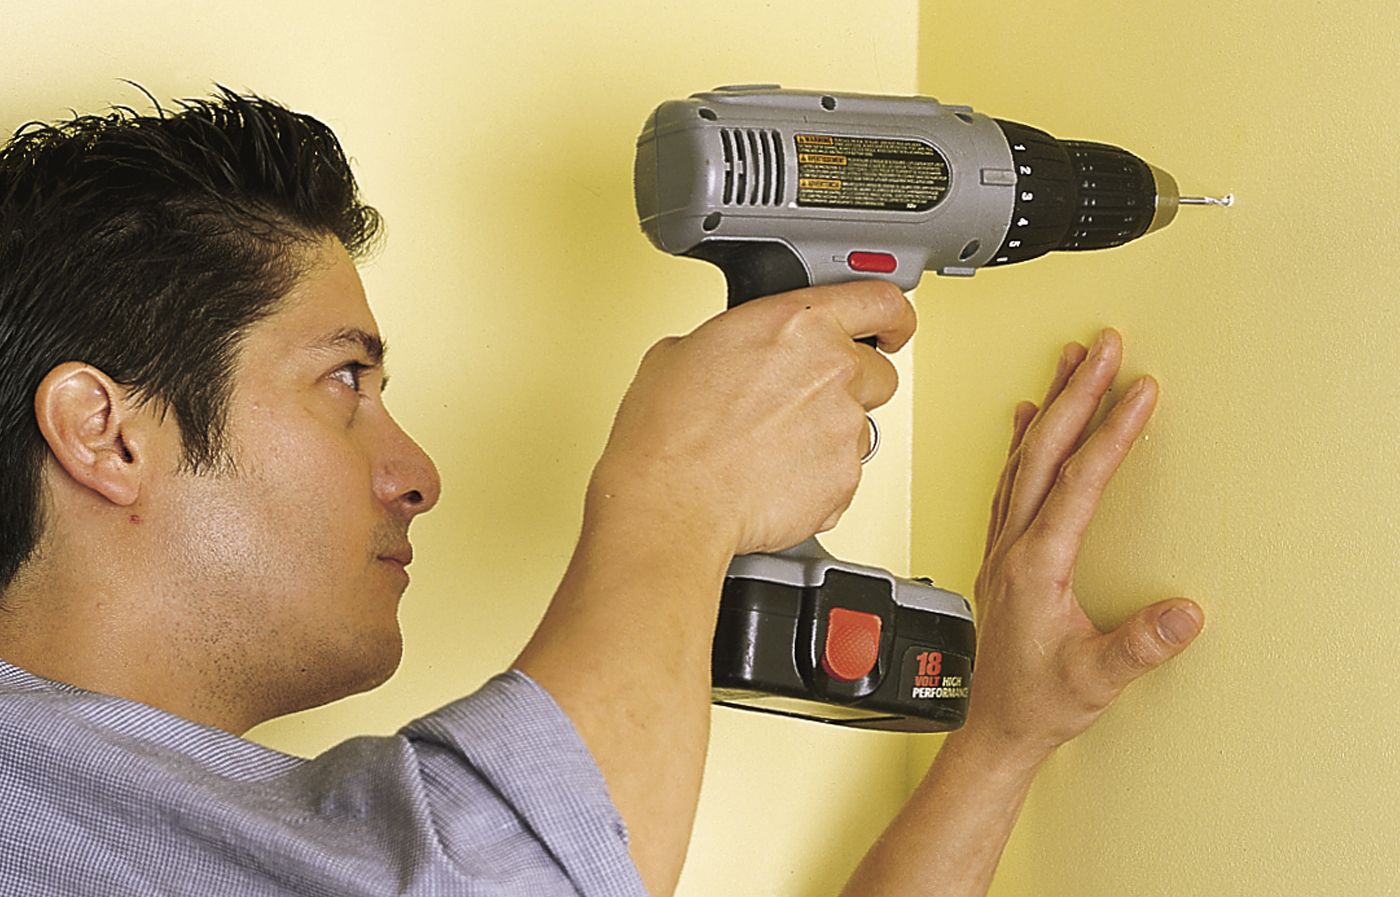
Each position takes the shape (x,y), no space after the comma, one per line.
(206,507)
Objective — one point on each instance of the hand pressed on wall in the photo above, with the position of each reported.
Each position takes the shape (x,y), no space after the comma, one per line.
(1045,672)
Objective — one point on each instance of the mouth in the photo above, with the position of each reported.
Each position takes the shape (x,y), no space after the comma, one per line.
(401,556)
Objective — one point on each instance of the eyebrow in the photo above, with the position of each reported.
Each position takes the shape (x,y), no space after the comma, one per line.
(372,344)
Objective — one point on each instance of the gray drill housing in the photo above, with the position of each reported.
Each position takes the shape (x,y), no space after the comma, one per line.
(682,198)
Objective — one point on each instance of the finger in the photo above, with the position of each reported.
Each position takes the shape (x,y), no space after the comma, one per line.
(876,379)
(865,308)
(1057,533)
(867,436)
(1147,640)
(1058,429)
(1071,357)
(1021,421)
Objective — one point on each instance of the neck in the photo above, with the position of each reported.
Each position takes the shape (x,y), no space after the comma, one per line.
(102,640)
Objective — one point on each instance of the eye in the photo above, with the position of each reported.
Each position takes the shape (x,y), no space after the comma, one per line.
(349,374)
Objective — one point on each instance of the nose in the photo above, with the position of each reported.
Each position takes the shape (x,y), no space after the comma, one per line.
(405,477)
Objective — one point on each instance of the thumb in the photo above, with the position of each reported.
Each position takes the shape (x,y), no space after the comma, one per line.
(1149,638)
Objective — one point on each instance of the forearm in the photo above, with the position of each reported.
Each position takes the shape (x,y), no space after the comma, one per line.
(625,649)
(741,436)
(949,836)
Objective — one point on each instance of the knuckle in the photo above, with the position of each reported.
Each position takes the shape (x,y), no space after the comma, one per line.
(1139,652)
(797,323)
(844,365)
(1074,474)
(890,297)
(832,371)
(1054,578)
(1035,451)
(1015,566)
(1033,563)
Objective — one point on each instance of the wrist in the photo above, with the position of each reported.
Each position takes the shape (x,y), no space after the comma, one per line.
(657,510)
(1004,756)
(641,589)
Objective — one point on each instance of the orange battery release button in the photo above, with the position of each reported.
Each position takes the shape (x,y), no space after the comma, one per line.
(852,644)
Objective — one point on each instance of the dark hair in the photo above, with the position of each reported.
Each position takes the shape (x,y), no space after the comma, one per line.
(146,246)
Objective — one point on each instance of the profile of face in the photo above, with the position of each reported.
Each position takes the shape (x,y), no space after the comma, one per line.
(290,566)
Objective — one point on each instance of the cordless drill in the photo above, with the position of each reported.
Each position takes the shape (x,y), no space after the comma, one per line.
(784,189)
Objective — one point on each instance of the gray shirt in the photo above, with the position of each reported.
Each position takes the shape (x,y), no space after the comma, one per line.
(493,795)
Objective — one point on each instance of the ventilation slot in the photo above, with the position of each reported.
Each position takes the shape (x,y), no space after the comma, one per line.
(753,167)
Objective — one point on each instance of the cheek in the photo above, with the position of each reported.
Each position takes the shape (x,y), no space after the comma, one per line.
(295,522)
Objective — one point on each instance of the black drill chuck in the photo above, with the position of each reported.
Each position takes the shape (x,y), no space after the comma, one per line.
(1076,195)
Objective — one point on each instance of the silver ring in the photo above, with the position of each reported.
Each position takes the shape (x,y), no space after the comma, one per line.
(874,439)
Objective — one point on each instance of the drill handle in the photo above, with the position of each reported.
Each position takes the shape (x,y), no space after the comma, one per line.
(754,268)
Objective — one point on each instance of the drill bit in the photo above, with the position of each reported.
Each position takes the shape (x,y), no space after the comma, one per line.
(1224,202)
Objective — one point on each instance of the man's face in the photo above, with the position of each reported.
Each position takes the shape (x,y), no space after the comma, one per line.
(293,564)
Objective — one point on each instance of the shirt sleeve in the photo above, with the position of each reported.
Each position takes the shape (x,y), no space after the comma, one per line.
(518,742)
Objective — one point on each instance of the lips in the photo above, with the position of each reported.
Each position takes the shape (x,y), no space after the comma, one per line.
(403,556)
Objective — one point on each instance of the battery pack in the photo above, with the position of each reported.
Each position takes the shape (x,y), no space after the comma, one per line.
(821,639)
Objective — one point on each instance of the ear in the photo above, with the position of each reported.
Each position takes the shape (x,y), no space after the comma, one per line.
(89,427)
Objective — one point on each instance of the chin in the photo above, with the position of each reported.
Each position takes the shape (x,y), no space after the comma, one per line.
(389,665)
(330,670)
(377,661)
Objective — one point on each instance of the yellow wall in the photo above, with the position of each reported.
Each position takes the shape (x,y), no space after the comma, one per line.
(518,295)
(1266,487)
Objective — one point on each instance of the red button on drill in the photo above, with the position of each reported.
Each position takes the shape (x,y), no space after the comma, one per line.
(852,644)
(874,262)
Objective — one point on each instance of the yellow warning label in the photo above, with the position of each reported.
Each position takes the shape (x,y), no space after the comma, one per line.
(853,171)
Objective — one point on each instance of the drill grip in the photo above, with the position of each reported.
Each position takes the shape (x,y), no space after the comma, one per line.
(754,268)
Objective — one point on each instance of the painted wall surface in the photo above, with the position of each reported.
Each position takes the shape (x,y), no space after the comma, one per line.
(518,295)
(1263,761)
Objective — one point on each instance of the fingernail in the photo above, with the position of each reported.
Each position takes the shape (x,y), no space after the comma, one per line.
(1136,390)
(1178,625)
(1097,348)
